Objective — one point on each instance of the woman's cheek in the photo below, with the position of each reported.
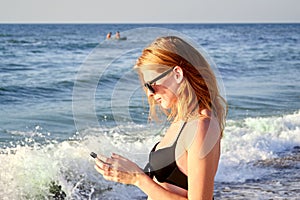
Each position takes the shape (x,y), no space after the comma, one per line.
(168,101)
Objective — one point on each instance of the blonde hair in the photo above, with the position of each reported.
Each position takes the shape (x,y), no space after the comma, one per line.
(199,87)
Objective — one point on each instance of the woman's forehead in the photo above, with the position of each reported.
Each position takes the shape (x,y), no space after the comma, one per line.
(149,75)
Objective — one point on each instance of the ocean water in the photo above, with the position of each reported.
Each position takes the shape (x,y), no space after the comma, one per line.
(66,91)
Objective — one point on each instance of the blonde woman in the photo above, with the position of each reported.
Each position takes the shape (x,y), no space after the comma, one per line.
(183,164)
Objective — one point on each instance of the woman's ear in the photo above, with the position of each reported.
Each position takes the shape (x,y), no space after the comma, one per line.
(178,74)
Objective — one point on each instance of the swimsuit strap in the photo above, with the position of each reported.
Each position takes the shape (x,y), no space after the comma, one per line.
(153,149)
(182,127)
(179,133)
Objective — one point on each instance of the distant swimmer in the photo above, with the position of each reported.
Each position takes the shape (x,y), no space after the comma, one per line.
(117,35)
(108,36)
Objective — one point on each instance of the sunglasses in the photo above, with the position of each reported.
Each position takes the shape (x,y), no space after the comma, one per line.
(148,85)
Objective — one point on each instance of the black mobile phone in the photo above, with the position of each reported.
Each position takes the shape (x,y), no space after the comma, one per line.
(94,155)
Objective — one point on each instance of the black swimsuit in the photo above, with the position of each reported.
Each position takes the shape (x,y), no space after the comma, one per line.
(162,165)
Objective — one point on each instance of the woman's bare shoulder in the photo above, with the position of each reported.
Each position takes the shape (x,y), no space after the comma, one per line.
(202,132)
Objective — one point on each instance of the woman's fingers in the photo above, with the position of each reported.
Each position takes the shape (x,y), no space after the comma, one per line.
(117,168)
(107,174)
(105,159)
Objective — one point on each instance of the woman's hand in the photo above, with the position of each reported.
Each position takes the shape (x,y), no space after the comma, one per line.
(118,169)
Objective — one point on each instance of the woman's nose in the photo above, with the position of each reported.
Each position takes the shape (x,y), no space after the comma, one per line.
(149,93)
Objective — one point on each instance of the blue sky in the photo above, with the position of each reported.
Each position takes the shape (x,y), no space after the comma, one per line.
(141,11)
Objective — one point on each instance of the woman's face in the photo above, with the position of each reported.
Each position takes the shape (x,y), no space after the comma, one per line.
(164,88)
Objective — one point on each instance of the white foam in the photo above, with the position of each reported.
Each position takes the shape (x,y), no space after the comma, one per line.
(255,139)
(29,170)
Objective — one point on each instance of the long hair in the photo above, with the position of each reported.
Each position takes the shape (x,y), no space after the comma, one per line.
(199,88)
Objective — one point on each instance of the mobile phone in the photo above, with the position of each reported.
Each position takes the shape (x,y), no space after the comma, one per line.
(94,155)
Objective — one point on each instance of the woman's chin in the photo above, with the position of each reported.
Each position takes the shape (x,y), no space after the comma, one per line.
(165,105)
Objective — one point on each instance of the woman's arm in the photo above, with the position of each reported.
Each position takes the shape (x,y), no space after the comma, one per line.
(203,159)
(155,191)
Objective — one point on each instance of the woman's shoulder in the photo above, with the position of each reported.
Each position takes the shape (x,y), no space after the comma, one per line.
(202,131)
(203,122)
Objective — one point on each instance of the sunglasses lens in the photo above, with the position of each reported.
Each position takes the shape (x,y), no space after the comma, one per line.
(149,87)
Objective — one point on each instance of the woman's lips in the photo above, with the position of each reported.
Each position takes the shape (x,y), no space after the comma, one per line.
(158,100)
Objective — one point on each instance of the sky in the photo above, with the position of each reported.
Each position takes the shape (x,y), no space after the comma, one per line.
(149,11)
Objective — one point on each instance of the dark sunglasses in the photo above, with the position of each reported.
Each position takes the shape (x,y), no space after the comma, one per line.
(148,85)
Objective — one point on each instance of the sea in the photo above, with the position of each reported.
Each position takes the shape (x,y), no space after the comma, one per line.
(65,91)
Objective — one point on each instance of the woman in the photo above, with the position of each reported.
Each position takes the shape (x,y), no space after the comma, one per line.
(183,164)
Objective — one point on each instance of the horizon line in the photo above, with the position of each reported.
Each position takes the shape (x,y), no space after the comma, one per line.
(149,22)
